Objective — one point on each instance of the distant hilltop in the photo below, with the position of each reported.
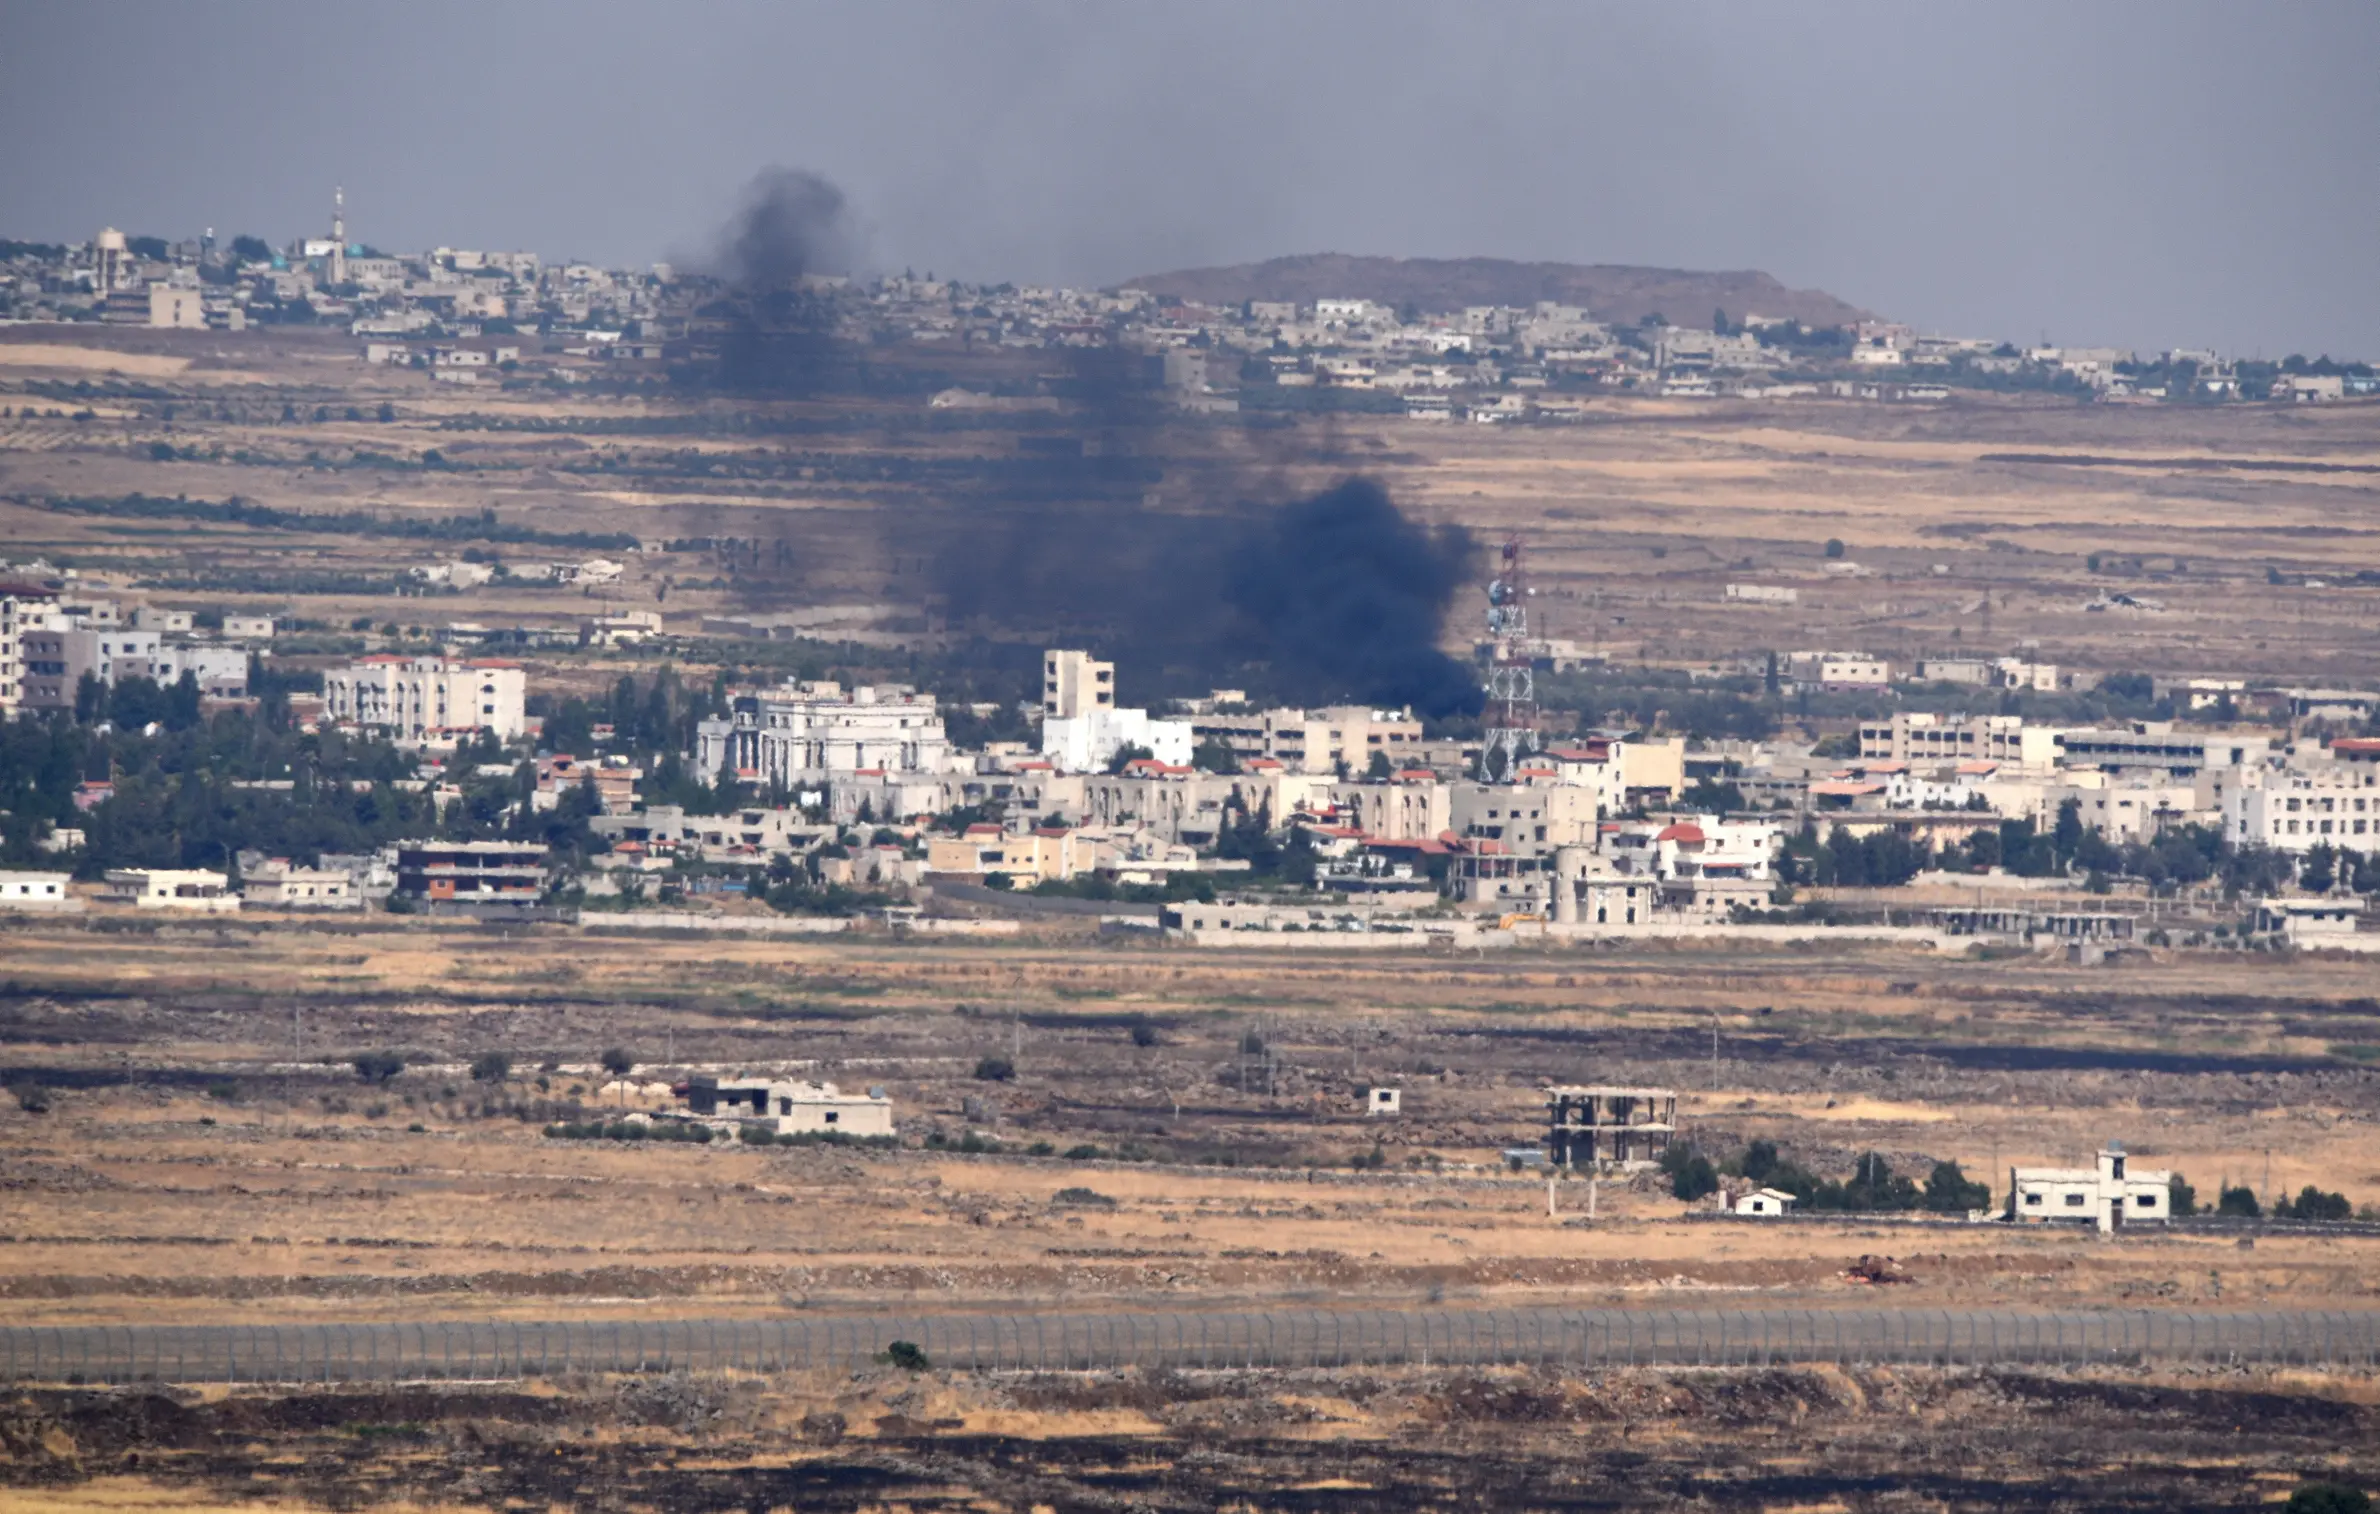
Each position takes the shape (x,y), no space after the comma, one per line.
(1609,292)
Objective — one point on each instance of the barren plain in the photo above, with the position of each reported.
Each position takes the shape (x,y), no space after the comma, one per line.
(208,1154)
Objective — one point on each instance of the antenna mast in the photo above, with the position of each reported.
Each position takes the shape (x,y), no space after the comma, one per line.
(1512,678)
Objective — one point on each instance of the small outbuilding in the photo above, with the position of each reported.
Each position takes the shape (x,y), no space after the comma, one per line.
(1381,1101)
(1766,1201)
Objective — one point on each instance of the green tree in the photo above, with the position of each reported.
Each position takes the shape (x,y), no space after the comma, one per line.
(994,1070)
(2181,1199)
(2319,872)
(1213,756)
(1949,1190)
(1379,769)
(1834,547)
(494,1067)
(2238,1204)
(1126,755)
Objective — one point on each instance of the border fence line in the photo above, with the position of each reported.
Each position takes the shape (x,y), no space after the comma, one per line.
(1286,1337)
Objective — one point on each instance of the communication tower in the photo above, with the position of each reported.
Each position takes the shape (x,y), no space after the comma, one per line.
(1512,678)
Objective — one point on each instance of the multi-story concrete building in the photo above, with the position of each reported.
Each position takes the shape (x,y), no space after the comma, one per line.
(1920,737)
(2298,809)
(471,871)
(1074,683)
(1082,726)
(1341,738)
(2155,747)
(426,699)
(23,608)
(811,733)
(1410,807)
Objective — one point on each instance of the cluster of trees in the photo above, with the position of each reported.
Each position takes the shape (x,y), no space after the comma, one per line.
(2182,856)
(1872,1186)
(174,801)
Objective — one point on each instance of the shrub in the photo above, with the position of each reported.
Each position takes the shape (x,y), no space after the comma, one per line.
(495,1067)
(416,1128)
(1143,1033)
(619,1061)
(223,1091)
(1834,547)
(378,1066)
(2238,1204)
(994,1070)
(2328,1498)
(1084,1153)
(905,1355)
(1041,1149)
(2181,1199)
(32,1098)
(756,1135)
(975,1145)
(1087,1198)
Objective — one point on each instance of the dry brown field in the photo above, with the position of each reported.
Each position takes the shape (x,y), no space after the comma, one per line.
(210,1156)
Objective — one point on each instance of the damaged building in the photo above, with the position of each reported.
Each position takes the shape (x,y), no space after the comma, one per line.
(1609,1129)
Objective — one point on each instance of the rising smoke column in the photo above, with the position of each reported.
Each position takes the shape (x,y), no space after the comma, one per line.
(779,333)
(1130,529)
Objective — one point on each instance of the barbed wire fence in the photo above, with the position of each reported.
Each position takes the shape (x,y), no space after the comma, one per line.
(456,1350)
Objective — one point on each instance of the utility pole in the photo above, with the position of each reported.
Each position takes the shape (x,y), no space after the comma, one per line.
(1714,1053)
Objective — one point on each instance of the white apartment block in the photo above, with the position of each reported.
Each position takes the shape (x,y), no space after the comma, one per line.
(2296,810)
(814,732)
(417,699)
(23,607)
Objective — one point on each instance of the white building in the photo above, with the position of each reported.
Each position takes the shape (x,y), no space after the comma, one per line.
(1767,1201)
(418,699)
(171,888)
(792,1108)
(2111,1195)
(37,891)
(814,732)
(2296,810)
(1088,743)
(1082,728)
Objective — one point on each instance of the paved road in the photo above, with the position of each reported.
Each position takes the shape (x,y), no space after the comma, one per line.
(1280,1337)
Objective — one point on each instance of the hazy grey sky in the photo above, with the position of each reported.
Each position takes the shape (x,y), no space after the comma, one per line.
(2144,174)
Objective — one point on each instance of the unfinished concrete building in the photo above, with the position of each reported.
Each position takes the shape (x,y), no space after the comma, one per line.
(1612,1129)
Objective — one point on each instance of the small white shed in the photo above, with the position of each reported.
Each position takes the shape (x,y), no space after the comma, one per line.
(1768,1201)
(1378,1101)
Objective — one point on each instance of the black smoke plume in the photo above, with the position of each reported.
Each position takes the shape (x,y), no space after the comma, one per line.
(1154,537)
(1337,597)
(774,327)
(1341,592)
